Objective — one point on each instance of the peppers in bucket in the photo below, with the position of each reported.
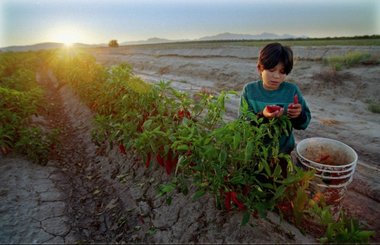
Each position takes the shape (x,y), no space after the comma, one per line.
(334,163)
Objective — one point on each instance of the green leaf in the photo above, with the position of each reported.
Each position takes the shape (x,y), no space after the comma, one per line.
(364,235)
(147,124)
(267,186)
(261,209)
(169,200)
(324,240)
(182,147)
(222,157)
(326,216)
(238,179)
(279,192)
(267,168)
(236,141)
(290,179)
(166,188)
(198,195)
(261,167)
(246,217)
(248,151)
(277,171)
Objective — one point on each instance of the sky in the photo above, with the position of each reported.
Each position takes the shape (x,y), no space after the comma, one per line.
(24,22)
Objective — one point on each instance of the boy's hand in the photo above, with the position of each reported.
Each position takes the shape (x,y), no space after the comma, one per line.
(294,110)
(272,111)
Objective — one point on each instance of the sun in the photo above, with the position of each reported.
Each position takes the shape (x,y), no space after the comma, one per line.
(67,44)
(67,35)
(68,39)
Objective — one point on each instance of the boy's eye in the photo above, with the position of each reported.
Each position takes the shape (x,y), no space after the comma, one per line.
(281,71)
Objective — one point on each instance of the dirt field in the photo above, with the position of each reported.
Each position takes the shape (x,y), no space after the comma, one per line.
(92,194)
(338,101)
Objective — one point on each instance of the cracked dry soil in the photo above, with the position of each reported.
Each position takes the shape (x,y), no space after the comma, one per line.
(85,191)
(94,194)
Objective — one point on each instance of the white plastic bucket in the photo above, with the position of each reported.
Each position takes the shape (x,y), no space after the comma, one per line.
(334,163)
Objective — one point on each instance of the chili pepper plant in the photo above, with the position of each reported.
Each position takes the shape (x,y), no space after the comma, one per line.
(236,161)
(21,97)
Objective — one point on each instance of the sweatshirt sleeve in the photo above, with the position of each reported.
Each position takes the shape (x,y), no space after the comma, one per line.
(244,100)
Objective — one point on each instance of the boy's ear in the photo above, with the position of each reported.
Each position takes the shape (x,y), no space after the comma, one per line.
(258,70)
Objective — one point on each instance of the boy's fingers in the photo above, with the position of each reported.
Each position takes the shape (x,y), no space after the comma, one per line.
(294,113)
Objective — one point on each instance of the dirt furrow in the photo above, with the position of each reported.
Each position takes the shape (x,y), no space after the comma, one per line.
(86,192)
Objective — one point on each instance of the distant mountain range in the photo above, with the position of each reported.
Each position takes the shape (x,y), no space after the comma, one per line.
(47,45)
(151,40)
(262,36)
(221,36)
(38,46)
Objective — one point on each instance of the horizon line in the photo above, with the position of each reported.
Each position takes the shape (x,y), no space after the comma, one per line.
(200,40)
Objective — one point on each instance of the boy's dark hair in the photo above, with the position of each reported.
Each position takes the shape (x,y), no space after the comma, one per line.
(274,53)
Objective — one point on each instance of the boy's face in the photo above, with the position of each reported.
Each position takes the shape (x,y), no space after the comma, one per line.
(272,78)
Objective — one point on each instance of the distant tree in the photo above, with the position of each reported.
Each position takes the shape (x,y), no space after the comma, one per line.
(113,44)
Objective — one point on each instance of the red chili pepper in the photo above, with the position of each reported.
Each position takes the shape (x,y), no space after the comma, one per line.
(187,114)
(168,162)
(183,113)
(295,99)
(324,158)
(227,201)
(5,150)
(147,163)
(246,190)
(171,162)
(160,160)
(236,201)
(273,108)
(188,153)
(285,207)
(317,196)
(122,149)
(168,167)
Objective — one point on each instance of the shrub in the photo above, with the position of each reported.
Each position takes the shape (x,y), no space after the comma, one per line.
(113,44)
(350,59)
(374,107)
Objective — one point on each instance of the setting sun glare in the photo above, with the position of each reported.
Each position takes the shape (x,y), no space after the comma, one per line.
(67,35)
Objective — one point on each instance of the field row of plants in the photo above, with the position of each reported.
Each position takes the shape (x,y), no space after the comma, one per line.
(188,137)
(20,98)
(235,161)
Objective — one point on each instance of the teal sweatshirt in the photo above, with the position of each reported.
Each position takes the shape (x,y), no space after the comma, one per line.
(257,98)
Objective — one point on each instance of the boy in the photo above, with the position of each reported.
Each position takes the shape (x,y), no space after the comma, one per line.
(272,96)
